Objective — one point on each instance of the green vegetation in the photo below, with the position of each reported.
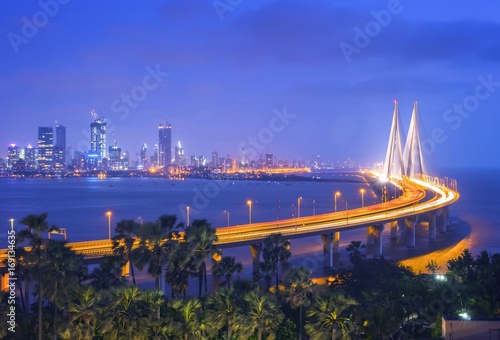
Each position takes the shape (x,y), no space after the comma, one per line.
(373,299)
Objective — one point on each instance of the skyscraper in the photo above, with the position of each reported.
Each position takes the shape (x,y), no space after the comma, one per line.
(115,154)
(13,153)
(215,159)
(144,156)
(180,159)
(45,147)
(165,145)
(269,160)
(60,144)
(31,158)
(98,138)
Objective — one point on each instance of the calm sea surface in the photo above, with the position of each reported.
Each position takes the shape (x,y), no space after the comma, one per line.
(80,205)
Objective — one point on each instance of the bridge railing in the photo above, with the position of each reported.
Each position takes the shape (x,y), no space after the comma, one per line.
(444,182)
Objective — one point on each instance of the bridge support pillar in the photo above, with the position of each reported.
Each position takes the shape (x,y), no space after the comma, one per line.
(5,282)
(369,236)
(443,223)
(377,239)
(393,225)
(410,228)
(256,250)
(336,242)
(432,224)
(126,269)
(327,249)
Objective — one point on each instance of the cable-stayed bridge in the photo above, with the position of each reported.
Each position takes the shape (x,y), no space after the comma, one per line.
(422,197)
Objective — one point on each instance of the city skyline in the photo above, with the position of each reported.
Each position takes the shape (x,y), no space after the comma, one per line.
(221,76)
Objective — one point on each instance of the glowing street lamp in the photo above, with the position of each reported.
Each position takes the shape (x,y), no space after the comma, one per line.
(11,224)
(109,224)
(298,206)
(249,203)
(337,194)
(227,213)
(187,214)
(362,191)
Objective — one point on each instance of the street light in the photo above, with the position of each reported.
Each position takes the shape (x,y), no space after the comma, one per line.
(362,191)
(337,194)
(298,206)
(187,214)
(249,211)
(11,224)
(109,224)
(314,207)
(227,212)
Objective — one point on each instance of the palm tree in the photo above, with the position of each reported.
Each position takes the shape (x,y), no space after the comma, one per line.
(223,310)
(123,242)
(83,313)
(180,268)
(261,313)
(201,237)
(226,268)
(156,244)
(187,315)
(63,270)
(299,287)
(354,249)
(125,315)
(36,225)
(108,274)
(328,317)
(275,251)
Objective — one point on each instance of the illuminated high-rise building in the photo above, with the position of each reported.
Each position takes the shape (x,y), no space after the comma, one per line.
(13,153)
(115,154)
(60,144)
(165,145)
(180,159)
(269,160)
(215,159)
(144,156)
(31,158)
(98,139)
(45,147)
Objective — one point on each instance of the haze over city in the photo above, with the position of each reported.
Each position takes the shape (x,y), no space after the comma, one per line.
(219,72)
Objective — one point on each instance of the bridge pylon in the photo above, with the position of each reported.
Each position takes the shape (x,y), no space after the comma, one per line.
(393,164)
(412,154)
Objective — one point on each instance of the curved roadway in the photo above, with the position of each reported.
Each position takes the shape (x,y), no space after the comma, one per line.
(412,202)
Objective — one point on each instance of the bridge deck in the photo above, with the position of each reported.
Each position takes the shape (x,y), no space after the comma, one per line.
(412,202)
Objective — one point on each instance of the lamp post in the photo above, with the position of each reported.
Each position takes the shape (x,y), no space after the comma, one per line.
(227,213)
(11,224)
(314,207)
(298,206)
(109,224)
(337,194)
(362,191)
(249,203)
(187,214)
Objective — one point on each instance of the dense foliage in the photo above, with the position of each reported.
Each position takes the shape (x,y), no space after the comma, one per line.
(375,298)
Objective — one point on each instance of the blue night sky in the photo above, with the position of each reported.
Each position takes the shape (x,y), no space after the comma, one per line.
(219,75)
